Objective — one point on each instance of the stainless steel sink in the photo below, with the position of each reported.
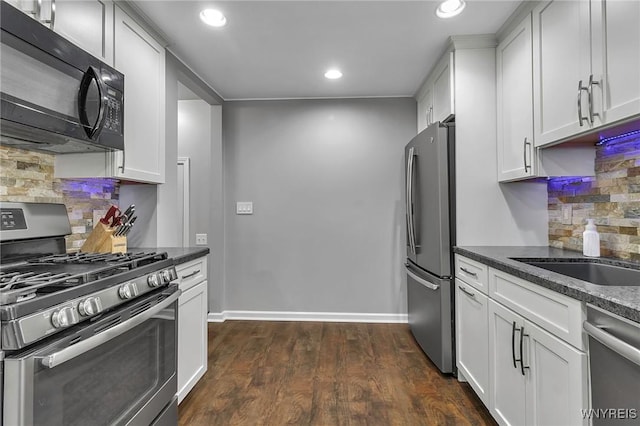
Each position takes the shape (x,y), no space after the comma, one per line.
(594,271)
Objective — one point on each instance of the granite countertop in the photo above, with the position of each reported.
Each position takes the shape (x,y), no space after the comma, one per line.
(178,254)
(621,300)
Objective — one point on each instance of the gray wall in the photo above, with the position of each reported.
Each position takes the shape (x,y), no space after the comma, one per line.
(326,180)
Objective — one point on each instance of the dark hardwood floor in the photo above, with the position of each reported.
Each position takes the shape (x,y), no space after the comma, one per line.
(303,373)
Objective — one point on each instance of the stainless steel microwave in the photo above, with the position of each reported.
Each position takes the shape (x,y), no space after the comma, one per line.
(55,96)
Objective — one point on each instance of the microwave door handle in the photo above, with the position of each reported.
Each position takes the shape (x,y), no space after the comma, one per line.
(67,354)
(93,129)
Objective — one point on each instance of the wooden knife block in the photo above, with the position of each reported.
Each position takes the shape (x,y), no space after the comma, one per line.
(102,240)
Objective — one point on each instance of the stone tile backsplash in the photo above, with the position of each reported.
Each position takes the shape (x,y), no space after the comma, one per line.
(27,176)
(612,198)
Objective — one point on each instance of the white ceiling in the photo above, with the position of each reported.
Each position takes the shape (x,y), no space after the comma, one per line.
(281,49)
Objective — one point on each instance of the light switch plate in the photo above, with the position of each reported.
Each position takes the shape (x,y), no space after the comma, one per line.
(201,239)
(244,207)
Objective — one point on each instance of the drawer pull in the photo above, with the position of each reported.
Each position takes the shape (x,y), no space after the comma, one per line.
(467,292)
(466,271)
(191,274)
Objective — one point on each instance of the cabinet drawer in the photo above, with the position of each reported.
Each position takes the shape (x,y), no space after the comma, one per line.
(560,315)
(191,273)
(473,273)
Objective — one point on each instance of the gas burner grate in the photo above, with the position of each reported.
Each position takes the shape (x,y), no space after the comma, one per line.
(20,285)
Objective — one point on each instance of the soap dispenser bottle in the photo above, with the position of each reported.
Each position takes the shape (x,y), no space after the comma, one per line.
(590,240)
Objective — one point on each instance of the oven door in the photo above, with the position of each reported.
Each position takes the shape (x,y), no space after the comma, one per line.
(119,369)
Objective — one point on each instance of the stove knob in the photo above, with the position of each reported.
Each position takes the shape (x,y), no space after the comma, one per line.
(166,276)
(64,317)
(153,280)
(174,274)
(90,306)
(128,291)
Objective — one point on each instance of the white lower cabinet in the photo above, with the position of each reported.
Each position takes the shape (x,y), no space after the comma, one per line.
(192,325)
(472,343)
(521,347)
(507,402)
(536,378)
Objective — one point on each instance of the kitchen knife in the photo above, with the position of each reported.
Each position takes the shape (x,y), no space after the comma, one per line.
(124,217)
(125,227)
(130,225)
(111,216)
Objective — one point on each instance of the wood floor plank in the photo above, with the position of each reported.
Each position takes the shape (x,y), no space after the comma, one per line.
(304,373)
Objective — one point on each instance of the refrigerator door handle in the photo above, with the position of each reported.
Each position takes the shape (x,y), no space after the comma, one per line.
(410,225)
(421,280)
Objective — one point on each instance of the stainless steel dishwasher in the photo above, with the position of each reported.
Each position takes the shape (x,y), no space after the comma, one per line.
(614,360)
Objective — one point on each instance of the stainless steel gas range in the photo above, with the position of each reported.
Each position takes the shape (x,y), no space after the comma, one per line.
(86,338)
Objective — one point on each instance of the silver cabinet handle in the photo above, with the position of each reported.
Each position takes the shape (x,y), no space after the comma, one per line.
(580,89)
(191,274)
(619,346)
(590,96)
(420,280)
(54,360)
(431,114)
(466,271)
(123,161)
(467,292)
(526,166)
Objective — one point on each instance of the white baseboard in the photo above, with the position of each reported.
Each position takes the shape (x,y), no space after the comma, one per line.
(307,316)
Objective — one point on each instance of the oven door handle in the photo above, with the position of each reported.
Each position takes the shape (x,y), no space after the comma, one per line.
(55,359)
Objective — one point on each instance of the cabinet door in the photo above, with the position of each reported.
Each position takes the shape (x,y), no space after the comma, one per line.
(557,380)
(443,102)
(561,57)
(508,386)
(425,108)
(141,59)
(616,61)
(87,23)
(472,338)
(192,338)
(515,104)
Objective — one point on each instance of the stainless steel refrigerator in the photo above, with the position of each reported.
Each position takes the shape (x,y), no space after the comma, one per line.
(430,198)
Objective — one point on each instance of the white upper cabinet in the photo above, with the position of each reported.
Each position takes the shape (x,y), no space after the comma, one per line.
(561,58)
(142,61)
(436,96)
(515,104)
(586,57)
(616,58)
(443,89)
(88,24)
(425,108)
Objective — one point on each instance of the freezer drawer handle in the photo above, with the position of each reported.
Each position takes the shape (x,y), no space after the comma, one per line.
(422,281)
(619,346)
(466,271)
(84,346)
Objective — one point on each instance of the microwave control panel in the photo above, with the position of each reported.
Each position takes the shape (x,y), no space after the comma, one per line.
(114,112)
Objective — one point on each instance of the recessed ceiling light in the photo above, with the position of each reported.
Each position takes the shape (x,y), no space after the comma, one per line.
(450,8)
(213,17)
(333,74)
